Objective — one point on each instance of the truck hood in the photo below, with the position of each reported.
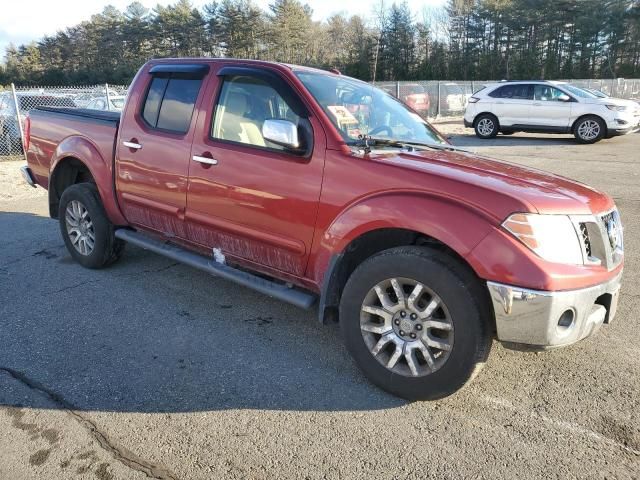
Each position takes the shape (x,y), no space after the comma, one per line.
(499,187)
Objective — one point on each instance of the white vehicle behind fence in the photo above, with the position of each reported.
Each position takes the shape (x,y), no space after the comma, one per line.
(549,107)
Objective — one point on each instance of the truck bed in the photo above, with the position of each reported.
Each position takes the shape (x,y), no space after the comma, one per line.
(51,126)
(83,112)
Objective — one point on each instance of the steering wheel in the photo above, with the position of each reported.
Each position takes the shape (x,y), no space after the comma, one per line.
(380,129)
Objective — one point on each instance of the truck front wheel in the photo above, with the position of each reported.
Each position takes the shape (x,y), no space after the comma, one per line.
(415,322)
(86,230)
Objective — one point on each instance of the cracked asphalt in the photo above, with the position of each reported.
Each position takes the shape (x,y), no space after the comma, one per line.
(150,369)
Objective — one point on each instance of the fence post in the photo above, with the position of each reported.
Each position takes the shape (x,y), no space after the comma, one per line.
(438,107)
(397,89)
(473,88)
(18,118)
(106,91)
(589,83)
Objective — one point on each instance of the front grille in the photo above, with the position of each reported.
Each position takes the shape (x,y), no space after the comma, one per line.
(601,239)
(584,233)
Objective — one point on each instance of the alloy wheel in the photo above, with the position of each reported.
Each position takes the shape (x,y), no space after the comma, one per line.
(406,327)
(589,130)
(485,127)
(80,228)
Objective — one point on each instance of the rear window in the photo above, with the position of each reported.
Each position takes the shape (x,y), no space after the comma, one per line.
(518,92)
(170,102)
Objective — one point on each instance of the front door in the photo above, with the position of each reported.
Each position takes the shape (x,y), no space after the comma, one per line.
(154,148)
(548,110)
(254,200)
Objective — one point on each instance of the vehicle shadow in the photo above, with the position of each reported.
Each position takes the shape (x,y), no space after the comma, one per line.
(150,335)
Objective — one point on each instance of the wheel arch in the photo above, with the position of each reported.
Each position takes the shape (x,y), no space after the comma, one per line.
(581,117)
(475,119)
(76,160)
(451,228)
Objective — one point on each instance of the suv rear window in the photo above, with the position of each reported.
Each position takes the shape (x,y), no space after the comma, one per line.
(170,102)
(520,91)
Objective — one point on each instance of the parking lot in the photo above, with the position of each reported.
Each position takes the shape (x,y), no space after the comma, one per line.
(152,369)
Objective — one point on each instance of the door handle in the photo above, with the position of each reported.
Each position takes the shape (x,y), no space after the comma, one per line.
(205,160)
(133,145)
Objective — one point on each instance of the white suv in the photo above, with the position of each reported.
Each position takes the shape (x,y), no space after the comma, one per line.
(549,107)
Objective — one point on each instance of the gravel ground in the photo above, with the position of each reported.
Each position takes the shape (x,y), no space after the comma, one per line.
(152,369)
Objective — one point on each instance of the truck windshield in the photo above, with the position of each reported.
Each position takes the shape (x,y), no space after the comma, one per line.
(357,108)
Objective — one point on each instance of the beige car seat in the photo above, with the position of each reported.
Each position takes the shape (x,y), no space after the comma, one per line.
(234,126)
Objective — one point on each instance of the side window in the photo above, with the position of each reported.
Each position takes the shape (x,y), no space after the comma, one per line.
(243,106)
(170,102)
(519,92)
(546,93)
(502,92)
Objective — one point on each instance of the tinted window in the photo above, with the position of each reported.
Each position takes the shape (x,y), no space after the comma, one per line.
(154,98)
(177,105)
(519,91)
(245,103)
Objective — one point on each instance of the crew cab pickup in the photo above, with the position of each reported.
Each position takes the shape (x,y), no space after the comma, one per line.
(323,191)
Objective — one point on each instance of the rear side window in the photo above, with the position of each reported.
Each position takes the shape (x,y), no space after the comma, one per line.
(170,102)
(517,92)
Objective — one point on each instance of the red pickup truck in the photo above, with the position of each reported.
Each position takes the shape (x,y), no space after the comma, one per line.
(318,189)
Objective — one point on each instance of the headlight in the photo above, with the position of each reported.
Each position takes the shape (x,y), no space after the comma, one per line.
(617,108)
(552,237)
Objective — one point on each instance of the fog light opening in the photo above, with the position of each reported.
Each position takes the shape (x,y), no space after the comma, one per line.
(566,320)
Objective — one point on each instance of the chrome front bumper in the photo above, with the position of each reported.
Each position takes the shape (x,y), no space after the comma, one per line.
(552,319)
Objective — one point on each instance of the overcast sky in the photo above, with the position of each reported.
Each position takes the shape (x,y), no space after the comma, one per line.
(22,21)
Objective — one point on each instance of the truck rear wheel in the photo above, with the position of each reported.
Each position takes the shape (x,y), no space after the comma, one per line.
(415,322)
(86,230)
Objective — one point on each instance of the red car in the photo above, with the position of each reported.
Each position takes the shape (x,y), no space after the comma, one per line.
(415,97)
(265,174)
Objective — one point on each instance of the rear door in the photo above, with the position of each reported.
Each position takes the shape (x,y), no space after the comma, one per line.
(548,110)
(512,103)
(154,147)
(252,199)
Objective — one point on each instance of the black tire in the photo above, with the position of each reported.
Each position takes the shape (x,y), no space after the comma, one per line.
(490,122)
(466,303)
(107,249)
(580,129)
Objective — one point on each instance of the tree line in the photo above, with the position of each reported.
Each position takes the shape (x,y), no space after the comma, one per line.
(465,40)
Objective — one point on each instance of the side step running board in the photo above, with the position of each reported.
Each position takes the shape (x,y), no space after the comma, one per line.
(174,252)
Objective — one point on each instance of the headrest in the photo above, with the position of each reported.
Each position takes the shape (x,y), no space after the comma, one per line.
(236,103)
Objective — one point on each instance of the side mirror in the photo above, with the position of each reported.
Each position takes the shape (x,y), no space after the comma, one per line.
(564,98)
(281,132)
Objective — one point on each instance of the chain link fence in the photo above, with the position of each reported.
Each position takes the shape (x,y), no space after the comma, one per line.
(431,99)
(434,99)
(15,103)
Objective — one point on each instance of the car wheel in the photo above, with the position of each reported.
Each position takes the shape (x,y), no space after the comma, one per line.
(589,129)
(416,322)
(486,126)
(86,230)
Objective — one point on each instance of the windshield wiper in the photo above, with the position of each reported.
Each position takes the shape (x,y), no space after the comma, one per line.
(366,142)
